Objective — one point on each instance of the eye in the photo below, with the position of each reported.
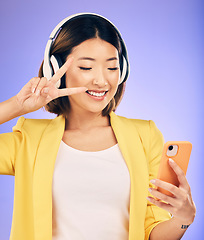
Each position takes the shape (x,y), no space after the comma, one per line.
(83,68)
(113,69)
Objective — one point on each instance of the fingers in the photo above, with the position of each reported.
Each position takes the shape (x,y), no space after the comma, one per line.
(172,200)
(160,204)
(180,175)
(38,87)
(34,83)
(165,185)
(69,91)
(61,71)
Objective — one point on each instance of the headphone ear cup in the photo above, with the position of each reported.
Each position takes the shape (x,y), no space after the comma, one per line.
(56,65)
(124,71)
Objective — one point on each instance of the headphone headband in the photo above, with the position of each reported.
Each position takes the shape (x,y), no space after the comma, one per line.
(64,21)
(50,65)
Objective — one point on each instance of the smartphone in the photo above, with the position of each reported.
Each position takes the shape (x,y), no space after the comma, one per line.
(180,152)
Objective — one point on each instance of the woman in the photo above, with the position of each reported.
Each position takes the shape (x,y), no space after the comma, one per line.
(85,174)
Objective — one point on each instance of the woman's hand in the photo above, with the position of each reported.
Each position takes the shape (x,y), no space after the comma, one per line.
(39,91)
(181,205)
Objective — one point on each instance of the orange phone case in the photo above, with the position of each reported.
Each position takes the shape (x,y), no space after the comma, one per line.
(181,157)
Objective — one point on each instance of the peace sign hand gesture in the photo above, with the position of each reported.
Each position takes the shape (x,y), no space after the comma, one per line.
(39,91)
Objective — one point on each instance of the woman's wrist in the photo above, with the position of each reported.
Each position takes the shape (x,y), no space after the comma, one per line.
(10,109)
(16,108)
(19,107)
(183,224)
(173,228)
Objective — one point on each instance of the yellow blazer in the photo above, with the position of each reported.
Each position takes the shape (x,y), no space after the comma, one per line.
(29,153)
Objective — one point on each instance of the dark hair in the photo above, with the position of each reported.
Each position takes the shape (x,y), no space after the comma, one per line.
(74,32)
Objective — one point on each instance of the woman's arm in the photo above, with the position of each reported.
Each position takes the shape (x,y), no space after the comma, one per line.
(181,206)
(10,109)
(169,230)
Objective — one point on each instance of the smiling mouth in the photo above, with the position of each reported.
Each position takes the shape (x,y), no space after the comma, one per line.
(96,94)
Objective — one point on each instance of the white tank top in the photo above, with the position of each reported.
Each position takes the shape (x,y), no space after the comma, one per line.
(90,194)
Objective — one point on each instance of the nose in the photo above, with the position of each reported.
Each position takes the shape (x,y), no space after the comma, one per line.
(100,80)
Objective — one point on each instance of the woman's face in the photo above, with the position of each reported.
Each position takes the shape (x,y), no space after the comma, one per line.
(95,66)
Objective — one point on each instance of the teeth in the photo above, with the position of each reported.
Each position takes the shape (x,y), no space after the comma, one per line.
(96,94)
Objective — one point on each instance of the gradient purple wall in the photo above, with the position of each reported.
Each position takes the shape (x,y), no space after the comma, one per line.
(165,46)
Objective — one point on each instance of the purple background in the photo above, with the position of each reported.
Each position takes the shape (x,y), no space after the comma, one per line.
(165,45)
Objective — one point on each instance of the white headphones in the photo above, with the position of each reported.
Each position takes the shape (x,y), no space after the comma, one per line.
(53,63)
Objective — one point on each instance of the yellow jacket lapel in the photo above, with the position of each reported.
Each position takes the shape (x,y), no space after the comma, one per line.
(132,150)
(42,179)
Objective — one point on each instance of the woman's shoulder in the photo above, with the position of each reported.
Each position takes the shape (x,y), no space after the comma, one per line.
(144,127)
(35,125)
(140,123)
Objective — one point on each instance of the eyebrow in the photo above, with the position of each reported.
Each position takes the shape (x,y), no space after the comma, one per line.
(92,59)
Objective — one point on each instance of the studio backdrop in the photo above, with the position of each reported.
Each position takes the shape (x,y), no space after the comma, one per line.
(164,40)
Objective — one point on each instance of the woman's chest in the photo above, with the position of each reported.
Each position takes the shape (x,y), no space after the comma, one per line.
(93,140)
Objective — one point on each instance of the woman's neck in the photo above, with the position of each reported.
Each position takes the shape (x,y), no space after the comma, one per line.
(85,121)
